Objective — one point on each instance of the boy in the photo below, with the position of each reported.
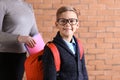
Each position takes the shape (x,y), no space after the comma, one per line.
(71,68)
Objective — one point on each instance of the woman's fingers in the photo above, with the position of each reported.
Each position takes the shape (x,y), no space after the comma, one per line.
(27,40)
(31,43)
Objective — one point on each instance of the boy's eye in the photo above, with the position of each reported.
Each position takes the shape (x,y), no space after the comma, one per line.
(71,20)
(64,21)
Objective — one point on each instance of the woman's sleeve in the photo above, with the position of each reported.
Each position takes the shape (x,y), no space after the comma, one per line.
(5,37)
(49,65)
(34,29)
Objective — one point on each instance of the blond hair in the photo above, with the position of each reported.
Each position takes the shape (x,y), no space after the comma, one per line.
(64,9)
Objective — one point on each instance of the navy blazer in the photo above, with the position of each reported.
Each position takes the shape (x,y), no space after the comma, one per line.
(71,68)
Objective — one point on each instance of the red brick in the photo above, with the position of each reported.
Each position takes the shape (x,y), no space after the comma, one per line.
(99,32)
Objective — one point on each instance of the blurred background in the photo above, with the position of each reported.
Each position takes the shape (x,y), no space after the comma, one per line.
(99,32)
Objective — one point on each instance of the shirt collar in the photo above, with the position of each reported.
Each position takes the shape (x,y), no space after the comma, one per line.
(72,41)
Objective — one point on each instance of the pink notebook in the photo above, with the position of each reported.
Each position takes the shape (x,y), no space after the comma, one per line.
(39,44)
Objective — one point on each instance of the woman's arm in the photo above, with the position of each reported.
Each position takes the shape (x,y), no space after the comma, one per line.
(5,37)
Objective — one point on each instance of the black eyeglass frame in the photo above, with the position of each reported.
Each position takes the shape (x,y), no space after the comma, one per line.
(65,21)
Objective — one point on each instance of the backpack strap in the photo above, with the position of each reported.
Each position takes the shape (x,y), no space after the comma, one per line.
(56,55)
(80,48)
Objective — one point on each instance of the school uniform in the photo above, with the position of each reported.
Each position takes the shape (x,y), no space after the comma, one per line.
(71,68)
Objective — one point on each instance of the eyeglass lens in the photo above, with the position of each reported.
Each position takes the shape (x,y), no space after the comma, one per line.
(71,21)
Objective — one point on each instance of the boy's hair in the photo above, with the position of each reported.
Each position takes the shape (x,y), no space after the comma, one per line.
(64,9)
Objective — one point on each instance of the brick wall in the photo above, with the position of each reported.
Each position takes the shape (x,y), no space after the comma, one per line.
(99,31)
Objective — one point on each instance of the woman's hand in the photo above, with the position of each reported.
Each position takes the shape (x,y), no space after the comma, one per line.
(29,41)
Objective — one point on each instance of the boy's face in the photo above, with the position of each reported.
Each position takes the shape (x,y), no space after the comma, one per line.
(67,23)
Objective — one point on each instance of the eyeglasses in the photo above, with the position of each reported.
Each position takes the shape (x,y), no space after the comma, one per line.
(71,21)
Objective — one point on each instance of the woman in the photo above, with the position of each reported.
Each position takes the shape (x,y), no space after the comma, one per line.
(17,25)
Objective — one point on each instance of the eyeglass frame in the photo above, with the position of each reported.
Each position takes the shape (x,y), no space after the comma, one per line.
(67,21)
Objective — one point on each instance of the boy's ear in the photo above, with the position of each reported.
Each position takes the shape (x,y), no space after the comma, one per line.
(56,24)
(78,25)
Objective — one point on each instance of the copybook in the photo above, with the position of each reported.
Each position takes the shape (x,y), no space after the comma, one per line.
(39,45)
